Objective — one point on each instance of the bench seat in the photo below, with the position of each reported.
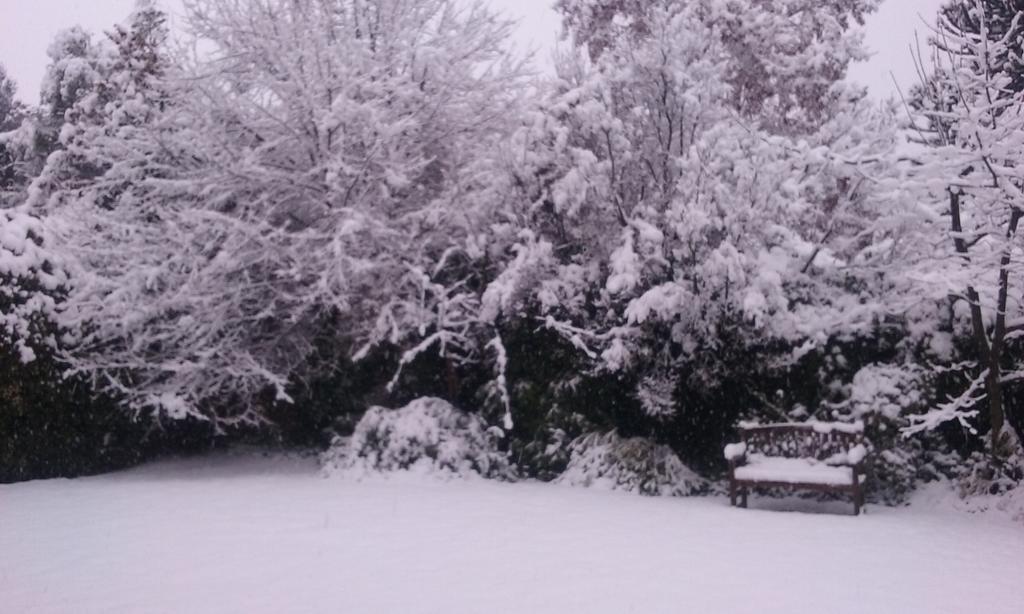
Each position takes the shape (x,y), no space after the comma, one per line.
(777,469)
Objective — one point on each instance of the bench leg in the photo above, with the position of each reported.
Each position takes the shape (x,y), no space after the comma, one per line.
(743,497)
(858,499)
(732,492)
(858,494)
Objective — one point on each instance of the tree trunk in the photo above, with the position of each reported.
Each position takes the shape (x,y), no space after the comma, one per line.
(996,414)
(990,353)
(452,380)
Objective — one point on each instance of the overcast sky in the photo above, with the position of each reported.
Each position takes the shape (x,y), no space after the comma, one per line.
(27,26)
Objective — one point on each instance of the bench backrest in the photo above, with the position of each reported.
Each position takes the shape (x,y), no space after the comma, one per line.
(818,440)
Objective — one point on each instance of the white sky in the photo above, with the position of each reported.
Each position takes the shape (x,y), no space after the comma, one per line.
(28,26)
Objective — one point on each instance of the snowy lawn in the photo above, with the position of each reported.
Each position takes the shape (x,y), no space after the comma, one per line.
(249,534)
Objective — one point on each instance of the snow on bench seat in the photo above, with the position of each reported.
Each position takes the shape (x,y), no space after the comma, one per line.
(792,471)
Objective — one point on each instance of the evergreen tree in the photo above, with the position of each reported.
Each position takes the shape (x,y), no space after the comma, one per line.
(76,64)
(108,105)
(11,110)
(11,114)
(70,79)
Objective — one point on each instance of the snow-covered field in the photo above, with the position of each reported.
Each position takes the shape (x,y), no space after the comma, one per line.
(248,534)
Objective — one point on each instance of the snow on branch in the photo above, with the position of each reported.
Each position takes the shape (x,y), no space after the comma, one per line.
(959,408)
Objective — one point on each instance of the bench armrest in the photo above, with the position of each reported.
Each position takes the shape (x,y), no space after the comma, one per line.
(736,454)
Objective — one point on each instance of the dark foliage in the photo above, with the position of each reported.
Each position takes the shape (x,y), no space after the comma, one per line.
(51,427)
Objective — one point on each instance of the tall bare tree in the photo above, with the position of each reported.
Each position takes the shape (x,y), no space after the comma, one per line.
(976,127)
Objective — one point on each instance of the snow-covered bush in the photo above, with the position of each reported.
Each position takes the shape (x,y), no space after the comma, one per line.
(31,283)
(881,395)
(979,475)
(976,484)
(427,435)
(50,425)
(543,450)
(635,464)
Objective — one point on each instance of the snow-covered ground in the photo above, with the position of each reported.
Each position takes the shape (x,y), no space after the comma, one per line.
(249,534)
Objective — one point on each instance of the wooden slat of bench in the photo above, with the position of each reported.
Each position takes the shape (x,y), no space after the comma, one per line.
(816,427)
(802,485)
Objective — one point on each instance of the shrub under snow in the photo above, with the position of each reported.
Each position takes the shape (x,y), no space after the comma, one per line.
(607,460)
(30,279)
(428,435)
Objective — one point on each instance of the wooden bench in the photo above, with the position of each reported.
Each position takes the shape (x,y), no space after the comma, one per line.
(822,456)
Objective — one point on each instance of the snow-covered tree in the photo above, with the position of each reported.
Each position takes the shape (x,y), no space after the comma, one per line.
(971,177)
(116,93)
(788,56)
(677,212)
(76,65)
(29,135)
(11,114)
(318,165)
(1000,20)
(11,109)
(31,278)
